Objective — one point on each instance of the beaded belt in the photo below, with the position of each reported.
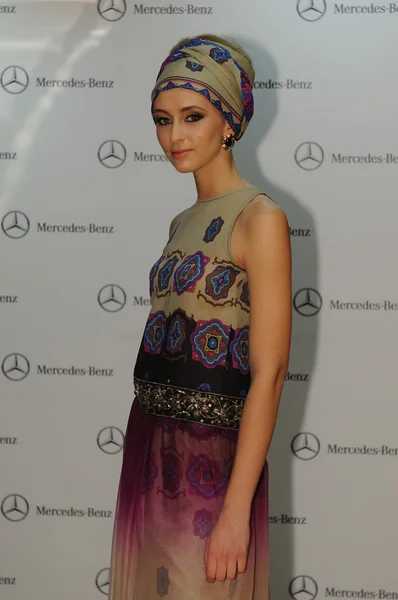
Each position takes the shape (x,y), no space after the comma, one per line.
(190,405)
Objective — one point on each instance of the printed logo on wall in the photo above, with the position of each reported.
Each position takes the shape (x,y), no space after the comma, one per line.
(302,587)
(288,84)
(112,154)
(112,297)
(14,80)
(305,446)
(110,440)
(15,224)
(309,156)
(102,581)
(112,10)
(15,366)
(307,302)
(311,10)
(15,508)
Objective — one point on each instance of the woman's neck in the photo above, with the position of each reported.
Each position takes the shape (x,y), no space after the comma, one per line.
(218,177)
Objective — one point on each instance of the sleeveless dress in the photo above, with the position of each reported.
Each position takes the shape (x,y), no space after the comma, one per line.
(191,378)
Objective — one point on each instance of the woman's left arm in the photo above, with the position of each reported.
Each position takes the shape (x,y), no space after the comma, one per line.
(267,260)
(266,256)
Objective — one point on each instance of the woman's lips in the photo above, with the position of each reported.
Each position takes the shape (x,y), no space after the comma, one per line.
(180,153)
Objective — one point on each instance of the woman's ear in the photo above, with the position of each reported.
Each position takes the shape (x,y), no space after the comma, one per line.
(228,129)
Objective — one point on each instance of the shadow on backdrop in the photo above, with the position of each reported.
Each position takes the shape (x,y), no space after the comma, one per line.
(305,330)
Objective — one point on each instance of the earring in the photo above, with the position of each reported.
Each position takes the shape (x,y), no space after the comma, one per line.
(228,141)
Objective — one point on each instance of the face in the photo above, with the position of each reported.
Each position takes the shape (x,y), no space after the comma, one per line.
(185,120)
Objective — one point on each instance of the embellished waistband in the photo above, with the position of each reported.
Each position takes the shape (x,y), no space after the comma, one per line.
(198,406)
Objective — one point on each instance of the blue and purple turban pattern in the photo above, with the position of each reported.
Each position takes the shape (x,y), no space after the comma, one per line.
(221,74)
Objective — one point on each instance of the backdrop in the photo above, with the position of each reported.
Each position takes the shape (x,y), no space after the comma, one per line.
(86,199)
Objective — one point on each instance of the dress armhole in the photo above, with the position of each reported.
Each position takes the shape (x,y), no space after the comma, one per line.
(241,208)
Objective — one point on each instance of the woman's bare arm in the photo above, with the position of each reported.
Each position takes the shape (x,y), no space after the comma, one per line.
(266,256)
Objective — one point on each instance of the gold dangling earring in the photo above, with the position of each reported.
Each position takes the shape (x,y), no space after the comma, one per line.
(228,141)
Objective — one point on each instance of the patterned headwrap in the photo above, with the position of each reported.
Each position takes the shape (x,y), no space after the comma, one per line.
(221,74)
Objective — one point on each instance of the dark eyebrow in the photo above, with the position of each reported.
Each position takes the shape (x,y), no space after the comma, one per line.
(185,109)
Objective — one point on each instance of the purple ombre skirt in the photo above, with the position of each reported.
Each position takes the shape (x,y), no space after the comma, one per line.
(172,486)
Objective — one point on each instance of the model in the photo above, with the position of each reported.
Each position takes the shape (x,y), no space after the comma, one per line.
(192,509)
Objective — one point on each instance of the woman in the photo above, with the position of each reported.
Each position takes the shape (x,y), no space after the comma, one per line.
(192,510)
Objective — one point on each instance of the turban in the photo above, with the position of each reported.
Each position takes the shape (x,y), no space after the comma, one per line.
(221,74)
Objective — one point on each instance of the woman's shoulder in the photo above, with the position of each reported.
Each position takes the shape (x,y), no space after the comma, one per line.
(262,204)
(262,215)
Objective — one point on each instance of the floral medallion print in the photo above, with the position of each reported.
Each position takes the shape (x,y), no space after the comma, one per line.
(202,523)
(205,476)
(210,342)
(171,472)
(152,274)
(220,281)
(189,272)
(162,581)
(150,472)
(154,333)
(166,272)
(213,229)
(239,348)
(245,295)
(177,334)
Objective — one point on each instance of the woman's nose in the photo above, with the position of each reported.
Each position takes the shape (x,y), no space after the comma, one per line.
(177,132)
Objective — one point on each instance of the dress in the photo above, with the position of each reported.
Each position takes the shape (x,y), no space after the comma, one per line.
(191,378)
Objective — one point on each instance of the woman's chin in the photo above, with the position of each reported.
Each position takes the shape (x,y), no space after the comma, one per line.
(183,168)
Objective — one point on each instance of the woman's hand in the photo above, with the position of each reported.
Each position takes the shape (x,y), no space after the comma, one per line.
(227,547)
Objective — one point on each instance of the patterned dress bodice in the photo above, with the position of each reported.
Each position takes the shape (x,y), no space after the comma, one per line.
(193,360)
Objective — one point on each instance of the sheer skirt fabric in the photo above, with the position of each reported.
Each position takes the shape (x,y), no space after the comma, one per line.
(173,481)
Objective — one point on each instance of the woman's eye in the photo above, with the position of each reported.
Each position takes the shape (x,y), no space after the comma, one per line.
(195,116)
(159,120)
(191,119)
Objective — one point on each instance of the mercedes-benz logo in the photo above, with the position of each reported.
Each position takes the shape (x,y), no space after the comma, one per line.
(311,10)
(15,507)
(15,224)
(309,156)
(110,440)
(112,298)
(102,581)
(14,80)
(307,302)
(305,446)
(303,587)
(15,366)
(112,10)
(112,154)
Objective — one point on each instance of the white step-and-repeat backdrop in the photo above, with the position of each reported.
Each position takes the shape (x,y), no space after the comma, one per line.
(86,198)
